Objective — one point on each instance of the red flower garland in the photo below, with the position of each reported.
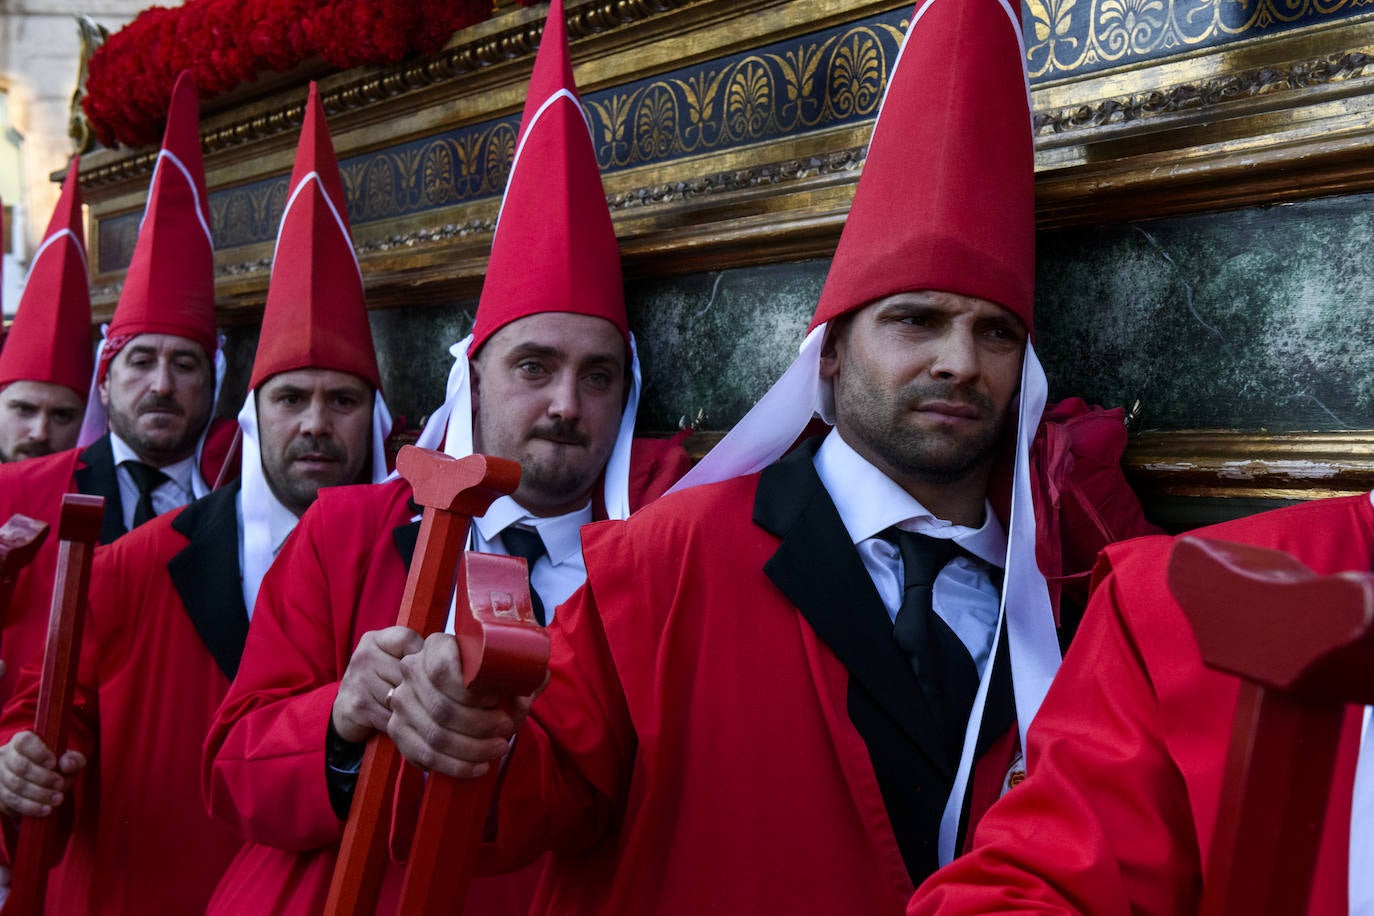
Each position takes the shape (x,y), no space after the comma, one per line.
(229,42)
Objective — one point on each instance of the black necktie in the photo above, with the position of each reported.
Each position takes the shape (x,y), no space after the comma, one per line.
(942,663)
(521,542)
(147,479)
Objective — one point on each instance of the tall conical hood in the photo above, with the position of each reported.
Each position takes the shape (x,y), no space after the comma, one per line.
(51,337)
(947,198)
(316,315)
(555,248)
(170,285)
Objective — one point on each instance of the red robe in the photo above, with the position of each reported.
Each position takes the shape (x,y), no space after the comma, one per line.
(35,487)
(166,626)
(726,698)
(1128,751)
(340,575)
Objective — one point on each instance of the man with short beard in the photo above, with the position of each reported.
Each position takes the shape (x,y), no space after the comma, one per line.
(548,378)
(147,444)
(169,601)
(45,367)
(792,687)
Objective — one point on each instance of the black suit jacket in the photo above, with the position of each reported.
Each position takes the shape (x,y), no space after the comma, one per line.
(819,570)
(96,477)
(206,575)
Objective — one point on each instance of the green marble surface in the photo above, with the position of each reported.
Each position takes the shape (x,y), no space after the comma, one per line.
(1257,319)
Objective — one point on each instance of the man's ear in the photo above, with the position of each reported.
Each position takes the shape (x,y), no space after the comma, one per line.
(104,389)
(475,383)
(832,350)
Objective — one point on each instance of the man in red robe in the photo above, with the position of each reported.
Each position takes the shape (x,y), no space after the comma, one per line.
(789,688)
(155,385)
(549,378)
(1129,752)
(169,601)
(45,370)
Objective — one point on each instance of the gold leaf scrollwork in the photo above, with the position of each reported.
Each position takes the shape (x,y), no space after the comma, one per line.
(379,188)
(613,147)
(656,123)
(440,187)
(500,155)
(749,99)
(857,75)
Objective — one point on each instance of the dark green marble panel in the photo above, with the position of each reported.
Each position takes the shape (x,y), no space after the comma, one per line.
(1254,319)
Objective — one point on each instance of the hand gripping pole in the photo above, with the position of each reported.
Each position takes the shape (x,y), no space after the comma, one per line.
(1303,647)
(452,492)
(78,529)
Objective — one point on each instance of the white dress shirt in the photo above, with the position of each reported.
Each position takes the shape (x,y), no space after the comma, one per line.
(184,483)
(870,502)
(556,574)
(281,521)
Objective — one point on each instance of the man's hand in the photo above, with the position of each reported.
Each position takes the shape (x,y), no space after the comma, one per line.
(442,726)
(363,703)
(32,780)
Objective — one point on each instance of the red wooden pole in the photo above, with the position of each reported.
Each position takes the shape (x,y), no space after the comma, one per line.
(78,529)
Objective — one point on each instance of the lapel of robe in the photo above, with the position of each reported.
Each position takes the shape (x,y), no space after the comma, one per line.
(96,477)
(818,569)
(206,575)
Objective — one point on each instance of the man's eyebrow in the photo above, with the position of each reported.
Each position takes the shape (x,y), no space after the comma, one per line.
(534,349)
(20,402)
(287,389)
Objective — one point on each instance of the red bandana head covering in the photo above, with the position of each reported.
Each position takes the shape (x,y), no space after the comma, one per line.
(51,337)
(316,316)
(947,196)
(170,285)
(555,248)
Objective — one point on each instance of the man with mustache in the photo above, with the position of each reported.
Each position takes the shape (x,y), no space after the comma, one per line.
(788,687)
(170,601)
(147,443)
(548,378)
(45,367)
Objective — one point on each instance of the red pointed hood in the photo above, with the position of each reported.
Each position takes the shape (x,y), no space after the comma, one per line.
(51,337)
(946,199)
(555,248)
(316,315)
(170,285)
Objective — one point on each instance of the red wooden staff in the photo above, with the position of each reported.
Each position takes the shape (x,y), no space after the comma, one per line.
(503,649)
(78,528)
(1303,646)
(20,538)
(452,492)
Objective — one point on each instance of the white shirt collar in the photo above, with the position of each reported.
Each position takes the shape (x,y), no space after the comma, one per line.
(560,533)
(869,502)
(183,473)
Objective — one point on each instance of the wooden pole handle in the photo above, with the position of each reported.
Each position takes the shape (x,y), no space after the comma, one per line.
(78,530)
